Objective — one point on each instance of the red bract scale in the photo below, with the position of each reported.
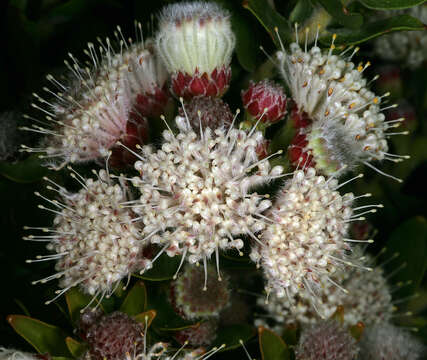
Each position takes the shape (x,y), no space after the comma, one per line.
(262,150)
(213,84)
(152,105)
(114,336)
(137,133)
(300,119)
(196,42)
(208,112)
(265,100)
(298,152)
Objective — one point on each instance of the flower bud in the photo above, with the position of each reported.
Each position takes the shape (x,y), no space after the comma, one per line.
(208,111)
(326,340)
(114,336)
(265,100)
(196,42)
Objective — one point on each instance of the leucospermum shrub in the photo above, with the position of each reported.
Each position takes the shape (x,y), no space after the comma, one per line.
(213,196)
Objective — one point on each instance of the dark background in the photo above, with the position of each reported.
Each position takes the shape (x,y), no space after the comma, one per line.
(36,36)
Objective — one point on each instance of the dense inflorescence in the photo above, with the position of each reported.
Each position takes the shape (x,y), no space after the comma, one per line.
(94,239)
(197,192)
(346,126)
(96,107)
(305,237)
(408,47)
(362,291)
(386,341)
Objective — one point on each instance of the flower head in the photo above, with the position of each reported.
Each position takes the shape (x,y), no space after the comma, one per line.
(362,291)
(193,299)
(347,125)
(326,340)
(196,42)
(113,336)
(95,109)
(405,47)
(197,190)
(386,341)
(265,100)
(11,354)
(305,237)
(95,240)
(206,111)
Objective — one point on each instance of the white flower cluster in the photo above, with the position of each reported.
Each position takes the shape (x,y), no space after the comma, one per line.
(386,341)
(346,116)
(305,239)
(158,351)
(364,295)
(11,354)
(407,47)
(196,190)
(95,240)
(90,114)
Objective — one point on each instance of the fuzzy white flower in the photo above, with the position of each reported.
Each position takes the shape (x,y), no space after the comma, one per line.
(95,240)
(89,114)
(347,126)
(11,354)
(385,341)
(196,43)
(196,191)
(364,295)
(305,238)
(407,47)
(158,351)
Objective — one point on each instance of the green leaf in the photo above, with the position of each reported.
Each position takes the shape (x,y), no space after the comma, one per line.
(247,48)
(164,269)
(341,14)
(410,241)
(26,171)
(76,301)
(270,19)
(136,300)
(390,4)
(76,348)
(145,317)
(272,345)
(45,338)
(301,11)
(231,336)
(374,29)
(167,319)
(357,330)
